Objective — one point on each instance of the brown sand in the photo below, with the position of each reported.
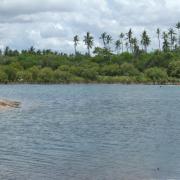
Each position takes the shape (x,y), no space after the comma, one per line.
(9,104)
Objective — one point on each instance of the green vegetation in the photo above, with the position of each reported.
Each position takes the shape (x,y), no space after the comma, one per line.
(128,64)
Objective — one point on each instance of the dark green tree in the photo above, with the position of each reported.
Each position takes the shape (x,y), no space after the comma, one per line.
(104,38)
(171,34)
(145,40)
(118,46)
(108,41)
(166,45)
(159,40)
(127,46)
(32,50)
(76,40)
(178,28)
(122,42)
(135,46)
(89,41)
(129,37)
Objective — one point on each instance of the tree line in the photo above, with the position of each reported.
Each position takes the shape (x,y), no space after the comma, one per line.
(167,40)
(131,62)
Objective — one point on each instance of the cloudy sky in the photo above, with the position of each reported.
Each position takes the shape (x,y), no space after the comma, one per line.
(51,24)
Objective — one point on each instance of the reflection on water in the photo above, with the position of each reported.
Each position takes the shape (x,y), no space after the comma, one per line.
(90,132)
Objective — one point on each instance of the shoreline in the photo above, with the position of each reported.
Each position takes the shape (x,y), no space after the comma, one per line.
(96,83)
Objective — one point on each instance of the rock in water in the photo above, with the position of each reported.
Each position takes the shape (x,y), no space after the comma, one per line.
(9,104)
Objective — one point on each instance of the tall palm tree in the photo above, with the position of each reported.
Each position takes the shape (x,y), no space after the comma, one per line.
(165,42)
(104,37)
(122,43)
(159,40)
(129,37)
(178,27)
(174,40)
(127,46)
(134,43)
(32,50)
(108,40)
(76,40)
(89,41)
(171,34)
(118,45)
(145,40)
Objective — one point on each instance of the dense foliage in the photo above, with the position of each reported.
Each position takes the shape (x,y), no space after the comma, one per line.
(154,67)
(127,65)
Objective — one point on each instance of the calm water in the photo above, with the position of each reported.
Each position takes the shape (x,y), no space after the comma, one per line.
(90,132)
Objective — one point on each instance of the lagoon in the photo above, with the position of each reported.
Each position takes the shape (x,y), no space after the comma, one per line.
(90,132)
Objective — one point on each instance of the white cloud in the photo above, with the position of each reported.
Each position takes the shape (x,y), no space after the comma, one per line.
(15,7)
(53,23)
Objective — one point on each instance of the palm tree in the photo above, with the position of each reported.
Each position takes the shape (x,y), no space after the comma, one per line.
(159,40)
(118,45)
(121,38)
(145,40)
(171,33)
(165,42)
(178,27)
(89,41)
(174,40)
(76,40)
(32,50)
(104,37)
(129,37)
(127,46)
(134,43)
(108,40)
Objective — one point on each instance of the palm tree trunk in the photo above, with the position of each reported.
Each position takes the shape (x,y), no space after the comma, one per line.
(145,47)
(88,51)
(171,43)
(159,44)
(179,37)
(75,49)
(104,43)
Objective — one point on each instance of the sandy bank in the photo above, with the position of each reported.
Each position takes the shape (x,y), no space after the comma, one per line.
(9,104)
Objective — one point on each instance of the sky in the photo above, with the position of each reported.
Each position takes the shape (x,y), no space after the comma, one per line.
(52,24)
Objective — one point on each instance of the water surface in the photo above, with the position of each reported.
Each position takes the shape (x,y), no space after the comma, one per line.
(90,132)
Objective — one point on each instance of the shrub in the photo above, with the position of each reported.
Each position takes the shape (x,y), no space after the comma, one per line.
(3,77)
(34,71)
(174,69)
(116,79)
(11,73)
(45,75)
(157,75)
(127,69)
(89,74)
(110,70)
(62,76)
(24,76)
